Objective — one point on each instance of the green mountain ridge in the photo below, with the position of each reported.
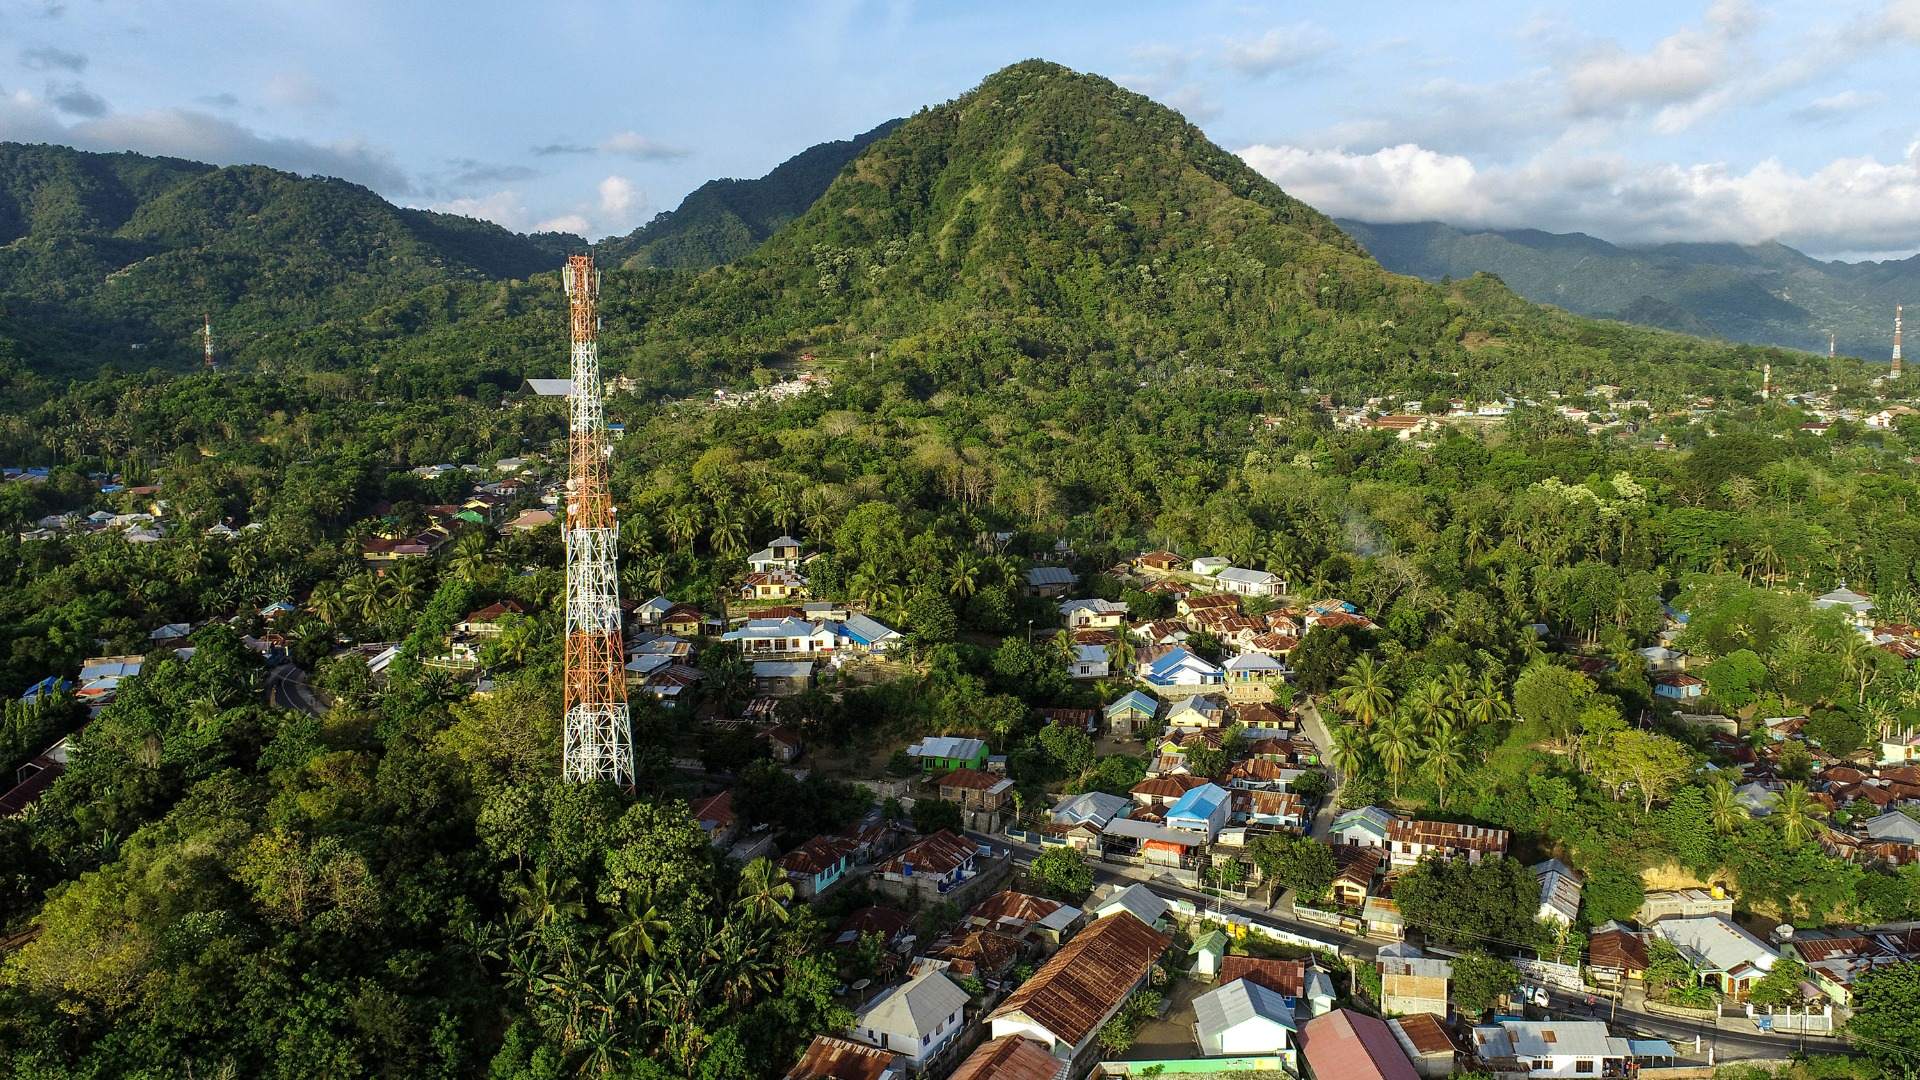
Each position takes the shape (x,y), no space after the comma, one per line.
(722,220)
(106,253)
(1768,294)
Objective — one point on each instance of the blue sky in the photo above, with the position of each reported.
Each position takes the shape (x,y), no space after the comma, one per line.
(1633,121)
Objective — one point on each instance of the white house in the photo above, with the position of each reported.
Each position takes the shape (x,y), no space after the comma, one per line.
(781,637)
(1721,950)
(1182,668)
(1090,662)
(1209,565)
(1560,887)
(914,1019)
(1254,669)
(1204,809)
(782,554)
(1250,582)
(1136,900)
(1063,1005)
(1243,1018)
(1552,1048)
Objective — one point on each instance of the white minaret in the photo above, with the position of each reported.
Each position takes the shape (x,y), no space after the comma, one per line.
(1894,372)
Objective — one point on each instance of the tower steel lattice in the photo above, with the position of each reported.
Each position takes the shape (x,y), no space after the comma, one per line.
(599,739)
(206,330)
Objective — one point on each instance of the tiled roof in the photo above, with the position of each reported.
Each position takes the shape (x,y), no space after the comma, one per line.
(1073,992)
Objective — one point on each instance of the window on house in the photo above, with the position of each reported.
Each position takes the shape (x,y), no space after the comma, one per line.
(1583,1066)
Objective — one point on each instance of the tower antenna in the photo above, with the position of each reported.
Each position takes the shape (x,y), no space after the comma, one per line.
(598,737)
(206,335)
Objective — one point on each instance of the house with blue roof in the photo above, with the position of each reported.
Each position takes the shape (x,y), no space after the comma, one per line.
(1204,809)
(781,637)
(864,633)
(51,686)
(1133,714)
(1180,667)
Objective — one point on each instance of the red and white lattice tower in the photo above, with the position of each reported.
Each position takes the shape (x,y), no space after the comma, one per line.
(599,739)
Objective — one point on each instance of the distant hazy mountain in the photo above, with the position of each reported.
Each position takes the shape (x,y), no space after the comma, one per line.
(724,219)
(101,254)
(1766,294)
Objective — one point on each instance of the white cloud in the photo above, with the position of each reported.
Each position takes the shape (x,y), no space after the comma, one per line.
(639,147)
(1833,107)
(1279,49)
(188,133)
(1680,70)
(298,90)
(76,99)
(1855,204)
(618,195)
(501,207)
(576,224)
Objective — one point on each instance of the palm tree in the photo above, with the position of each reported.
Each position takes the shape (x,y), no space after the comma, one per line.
(1363,692)
(1428,703)
(965,579)
(1486,704)
(1349,749)
(1724,808)
(1796,812)
(764,890)
(544,897)
(362,595)
(639,924)
(1444,757)
(1395,739)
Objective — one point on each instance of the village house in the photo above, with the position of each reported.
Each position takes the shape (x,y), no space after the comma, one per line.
(1010,1057)
(1133,714)
(1159,562)
(1178,667)
(1721,950)
(1560,887)
(488,619)
(1208,565)
(946,753)
(981,796)
(915,1019)
(1090,662)
(829,1057)
(773,585)
(816,865)
(1065,1003)
(1679,686)
(1204,809)
(1423,1038)
(1036,919)
(716,818)
(1049,581)
(1348,1045)
(1538,1048)
(1200,712)
(781,637)
(1093,614)
(1143,837)
(782,678)
(1253,673)
(929,869)
(683,620)
(781,554)
(1243,1018)
(1407,841)
(1091,807)
(1411,982)
(1616,954)
(1244,582)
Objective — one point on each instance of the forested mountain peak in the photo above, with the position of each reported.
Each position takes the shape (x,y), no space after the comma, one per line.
(724,219)
(106,253)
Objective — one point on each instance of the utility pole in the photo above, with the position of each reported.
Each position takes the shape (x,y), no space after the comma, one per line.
(598,736)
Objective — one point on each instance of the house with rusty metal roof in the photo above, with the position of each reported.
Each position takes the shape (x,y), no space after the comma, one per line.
(1082,986)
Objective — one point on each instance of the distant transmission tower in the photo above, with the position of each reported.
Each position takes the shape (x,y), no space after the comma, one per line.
(1894,372)
(206,335)
(599,741)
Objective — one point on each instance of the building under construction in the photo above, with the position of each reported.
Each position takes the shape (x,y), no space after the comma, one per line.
(598,737)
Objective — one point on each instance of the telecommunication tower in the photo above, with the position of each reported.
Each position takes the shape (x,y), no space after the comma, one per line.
(1894,372)
(598,737)
(206,335)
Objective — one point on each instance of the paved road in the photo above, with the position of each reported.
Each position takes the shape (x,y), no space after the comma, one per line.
(287,688)
(1727,1045)
(1315,727)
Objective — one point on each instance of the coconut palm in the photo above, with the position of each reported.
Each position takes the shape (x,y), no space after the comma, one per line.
(1443,757)
(1349,749)
(764,891)
(1796,813)
(1396,740)
(1724,808)
(544,897)
(1363,692)
(1486,703)
(638,928)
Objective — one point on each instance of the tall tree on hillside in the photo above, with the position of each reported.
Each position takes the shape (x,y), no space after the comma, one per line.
(1363,692)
